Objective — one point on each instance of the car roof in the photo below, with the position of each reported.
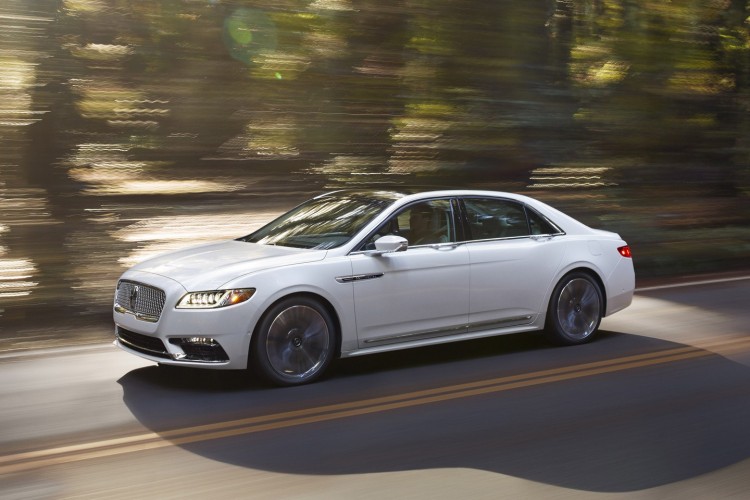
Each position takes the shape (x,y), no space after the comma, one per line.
(409,196)
(447,193)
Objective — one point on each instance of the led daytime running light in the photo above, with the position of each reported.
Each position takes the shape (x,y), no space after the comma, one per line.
(214,298)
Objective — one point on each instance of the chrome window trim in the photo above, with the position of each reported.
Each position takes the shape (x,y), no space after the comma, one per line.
(549,221)
(434,246)
(507,238)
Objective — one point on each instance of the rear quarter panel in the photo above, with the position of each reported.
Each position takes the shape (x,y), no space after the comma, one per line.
(600,256)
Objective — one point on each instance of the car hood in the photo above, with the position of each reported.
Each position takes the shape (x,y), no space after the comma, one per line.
(208,267)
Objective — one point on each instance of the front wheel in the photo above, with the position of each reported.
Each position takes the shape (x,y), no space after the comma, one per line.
(294,343)
(575,310)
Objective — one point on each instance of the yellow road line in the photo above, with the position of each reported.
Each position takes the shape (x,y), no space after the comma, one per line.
(86,451)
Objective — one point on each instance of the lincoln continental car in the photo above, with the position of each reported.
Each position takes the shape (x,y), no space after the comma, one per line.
(353,273)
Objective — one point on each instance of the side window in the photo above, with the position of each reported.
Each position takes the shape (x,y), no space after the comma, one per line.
(424,223)
(493,218)
(541,225)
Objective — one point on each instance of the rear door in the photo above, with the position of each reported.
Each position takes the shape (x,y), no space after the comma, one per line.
(513,258)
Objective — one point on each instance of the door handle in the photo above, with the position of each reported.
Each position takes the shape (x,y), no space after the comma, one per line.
(541,237)
(444,246)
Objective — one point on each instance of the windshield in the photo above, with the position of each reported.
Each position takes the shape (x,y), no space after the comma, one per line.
(321,223)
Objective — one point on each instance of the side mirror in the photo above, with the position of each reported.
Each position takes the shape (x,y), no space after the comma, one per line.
(390,244)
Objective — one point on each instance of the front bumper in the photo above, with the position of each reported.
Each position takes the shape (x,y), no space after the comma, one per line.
(203,338)
(196,349)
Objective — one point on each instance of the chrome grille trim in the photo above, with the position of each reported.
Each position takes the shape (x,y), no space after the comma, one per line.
(144,301)
(152,346)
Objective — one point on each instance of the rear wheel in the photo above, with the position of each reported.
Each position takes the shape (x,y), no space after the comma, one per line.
(295,342)
(575,310)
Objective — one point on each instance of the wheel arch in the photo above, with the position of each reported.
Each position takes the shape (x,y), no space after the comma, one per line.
(599,281)
(327,305)
(592,273)
(566,328)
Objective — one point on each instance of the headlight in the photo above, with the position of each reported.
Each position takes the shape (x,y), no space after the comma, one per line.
(214,299)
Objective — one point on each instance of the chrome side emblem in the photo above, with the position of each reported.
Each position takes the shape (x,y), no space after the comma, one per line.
(134,296)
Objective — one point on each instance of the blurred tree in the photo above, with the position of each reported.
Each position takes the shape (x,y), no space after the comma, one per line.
(632,114)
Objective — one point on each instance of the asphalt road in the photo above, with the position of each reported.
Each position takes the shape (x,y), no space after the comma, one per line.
(657,407)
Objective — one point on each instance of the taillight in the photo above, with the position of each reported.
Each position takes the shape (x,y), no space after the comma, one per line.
(625,251)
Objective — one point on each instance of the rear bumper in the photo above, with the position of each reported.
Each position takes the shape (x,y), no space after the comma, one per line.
(621,286)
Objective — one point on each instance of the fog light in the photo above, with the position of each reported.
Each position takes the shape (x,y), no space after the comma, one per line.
(202,349)
(201,341)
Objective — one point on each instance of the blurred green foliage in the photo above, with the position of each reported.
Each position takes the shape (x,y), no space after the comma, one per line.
(632,115)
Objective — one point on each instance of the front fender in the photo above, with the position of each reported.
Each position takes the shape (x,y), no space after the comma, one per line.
(314,278)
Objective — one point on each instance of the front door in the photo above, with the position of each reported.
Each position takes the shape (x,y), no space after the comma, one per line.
(420,293)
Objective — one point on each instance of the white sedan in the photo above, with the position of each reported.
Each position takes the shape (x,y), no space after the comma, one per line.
(354,273)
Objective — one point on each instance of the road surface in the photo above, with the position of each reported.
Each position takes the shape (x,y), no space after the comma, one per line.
(657,406)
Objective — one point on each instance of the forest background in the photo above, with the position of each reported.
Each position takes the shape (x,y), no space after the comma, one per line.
(132,127)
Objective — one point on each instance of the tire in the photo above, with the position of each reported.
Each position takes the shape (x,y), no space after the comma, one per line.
(575,310)
(294,342)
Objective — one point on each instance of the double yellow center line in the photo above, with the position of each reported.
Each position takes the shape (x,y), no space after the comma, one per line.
(46,457)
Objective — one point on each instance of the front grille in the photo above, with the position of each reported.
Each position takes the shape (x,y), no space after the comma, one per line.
(142,343)
(146,302)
